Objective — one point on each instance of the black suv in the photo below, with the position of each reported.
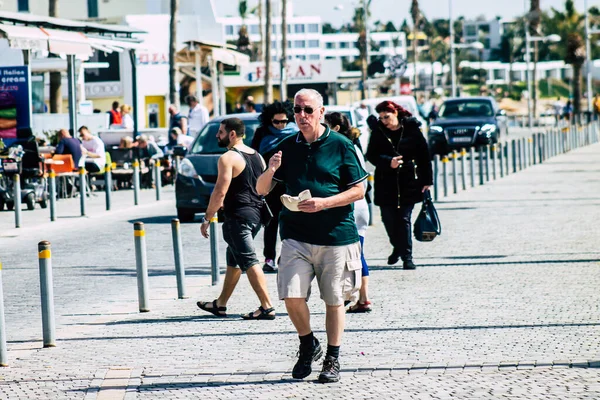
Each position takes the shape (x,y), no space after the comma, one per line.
(466,122)
(197,173)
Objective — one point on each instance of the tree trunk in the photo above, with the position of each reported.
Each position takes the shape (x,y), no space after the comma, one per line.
(283,66)
(261,44)
(415,58)
(268,86)
(511,60)
(534,94)
(173,97)
(576,90)
(363,73)
(55,77)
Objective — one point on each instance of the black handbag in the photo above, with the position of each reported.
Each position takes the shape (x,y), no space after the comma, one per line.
(427,226)
(266,215)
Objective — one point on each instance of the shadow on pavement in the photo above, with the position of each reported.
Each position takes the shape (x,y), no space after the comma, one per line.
(151,272)
(159,220)
(488,263)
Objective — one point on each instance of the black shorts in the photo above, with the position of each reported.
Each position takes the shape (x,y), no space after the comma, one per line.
(239,236)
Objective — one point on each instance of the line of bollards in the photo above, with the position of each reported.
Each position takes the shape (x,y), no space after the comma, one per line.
(136,182)
(17,199)
(47,294)
(82,190)
(108,186)
(178,255)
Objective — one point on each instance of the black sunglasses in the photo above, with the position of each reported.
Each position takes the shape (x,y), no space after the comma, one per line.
(307,110)
(280,121)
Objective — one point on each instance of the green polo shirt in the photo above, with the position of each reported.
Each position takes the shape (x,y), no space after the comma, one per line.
(327,167)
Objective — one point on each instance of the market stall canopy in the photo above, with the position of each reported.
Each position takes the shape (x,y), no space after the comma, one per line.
(220,52)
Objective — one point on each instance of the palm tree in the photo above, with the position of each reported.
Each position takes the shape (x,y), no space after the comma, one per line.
(283,88)
(416,17)
(268,94)
(535,17)
(173,98)
(243,42)
(55,77)
(360,24)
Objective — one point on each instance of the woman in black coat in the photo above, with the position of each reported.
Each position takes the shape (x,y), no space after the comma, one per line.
(277,123)
(400,155)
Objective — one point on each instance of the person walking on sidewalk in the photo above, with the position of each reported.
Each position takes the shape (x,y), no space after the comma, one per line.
(235,191)
(400,155)
(338,122)
(319,238)
(277,123)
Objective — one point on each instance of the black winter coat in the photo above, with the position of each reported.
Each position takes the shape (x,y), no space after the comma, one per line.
(401,186)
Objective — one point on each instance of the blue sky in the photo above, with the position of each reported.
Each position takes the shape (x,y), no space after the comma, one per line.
(397,10)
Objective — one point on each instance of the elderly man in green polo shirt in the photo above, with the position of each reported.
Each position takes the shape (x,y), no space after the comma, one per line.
(319,238)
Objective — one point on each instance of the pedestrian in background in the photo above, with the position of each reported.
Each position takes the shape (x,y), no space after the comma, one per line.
(115,115)
(320,238)
(338,122)
(198,116)
(69,145)
(402,163)
(176,120)
(92,147)
(276,124)
(235,191)
(126,116)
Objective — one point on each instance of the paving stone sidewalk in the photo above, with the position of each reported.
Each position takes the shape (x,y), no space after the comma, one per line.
(503,305)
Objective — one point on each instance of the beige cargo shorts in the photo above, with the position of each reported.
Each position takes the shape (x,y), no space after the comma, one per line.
(337,268)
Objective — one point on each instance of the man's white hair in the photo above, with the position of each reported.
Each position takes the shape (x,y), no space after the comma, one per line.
(310,93)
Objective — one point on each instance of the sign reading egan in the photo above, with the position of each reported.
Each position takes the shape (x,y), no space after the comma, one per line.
(297,72)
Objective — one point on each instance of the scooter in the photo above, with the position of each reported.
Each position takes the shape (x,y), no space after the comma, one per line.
(33,187)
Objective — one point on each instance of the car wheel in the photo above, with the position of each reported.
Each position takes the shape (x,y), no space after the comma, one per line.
(185,214)
(1,205)
(30,201)
(44,201)
(10,205)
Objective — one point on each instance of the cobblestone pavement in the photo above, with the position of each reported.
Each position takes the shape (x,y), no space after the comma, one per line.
(503,305)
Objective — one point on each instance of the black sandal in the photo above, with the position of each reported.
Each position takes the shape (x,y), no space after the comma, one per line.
(215,309)
(264,314)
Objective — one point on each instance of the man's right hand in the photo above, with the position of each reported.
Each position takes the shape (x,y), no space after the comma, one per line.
(396,162)
(275,162)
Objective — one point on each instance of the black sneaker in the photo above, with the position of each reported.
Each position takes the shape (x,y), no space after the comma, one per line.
(331,370)
(394,257)
(269,266)
(409,264)
(303,367)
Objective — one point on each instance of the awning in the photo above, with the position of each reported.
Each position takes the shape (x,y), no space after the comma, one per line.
(67,42)
(230,57)
(110,45)
(25,37)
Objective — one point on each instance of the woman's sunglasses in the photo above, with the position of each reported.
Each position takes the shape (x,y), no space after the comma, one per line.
(307,110)
(280,121)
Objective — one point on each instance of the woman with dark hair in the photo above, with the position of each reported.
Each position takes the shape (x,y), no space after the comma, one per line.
(403,173)
(276,124)
(338,122)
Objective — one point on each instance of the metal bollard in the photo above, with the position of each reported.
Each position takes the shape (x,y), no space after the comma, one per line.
(533,144)
(136,182)
(540,148)
(506,158)
(82,191)
(157,180)
(139,236)
(107,185)
(454,175)
(494,152)
(487,162)
(176,162)
(472,165)
(481,180)
(214,251)
(17,199)
(47,294)
(514,154)
(463,173)
(52,184)
(3,350)
(501,159)
(436,174)
(371,180)
(520,153)
(178,254)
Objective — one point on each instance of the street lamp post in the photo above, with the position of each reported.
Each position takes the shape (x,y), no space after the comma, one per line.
(475,45)
(365,11)
(452,54)
(588,57)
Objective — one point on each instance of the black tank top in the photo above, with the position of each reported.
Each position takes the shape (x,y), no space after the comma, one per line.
(242,201)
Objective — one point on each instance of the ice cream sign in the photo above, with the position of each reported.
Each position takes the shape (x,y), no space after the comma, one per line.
(298,72)
(15,102)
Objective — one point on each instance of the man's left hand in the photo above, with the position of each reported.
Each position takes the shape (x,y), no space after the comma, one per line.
(313,205)
(425,188)
(204,229)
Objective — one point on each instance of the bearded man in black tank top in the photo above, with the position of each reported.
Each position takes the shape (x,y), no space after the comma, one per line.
(235,192)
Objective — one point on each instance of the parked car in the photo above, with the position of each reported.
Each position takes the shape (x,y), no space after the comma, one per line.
(355,121)
(197,172)
(466,122)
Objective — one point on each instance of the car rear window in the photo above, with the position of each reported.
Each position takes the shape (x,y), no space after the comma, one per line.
(206,142)
(468,108)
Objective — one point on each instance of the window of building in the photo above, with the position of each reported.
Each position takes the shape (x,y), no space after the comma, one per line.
(301,57)
(330,45)
(276,29)
(313,28)
(314,57)
(289,44)
(254,29)
(229,29)
(110,74)
(384,43)
(330,57)
(471,30)
(486,43)
(499,74)
(313,43)
(299,44)
(274,44)
(299,28)
(92,8)
(23,6)
(344,45)
(484,28)
(274,58)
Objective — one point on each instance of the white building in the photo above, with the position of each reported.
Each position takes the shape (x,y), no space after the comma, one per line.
(343,45)
(487,32)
